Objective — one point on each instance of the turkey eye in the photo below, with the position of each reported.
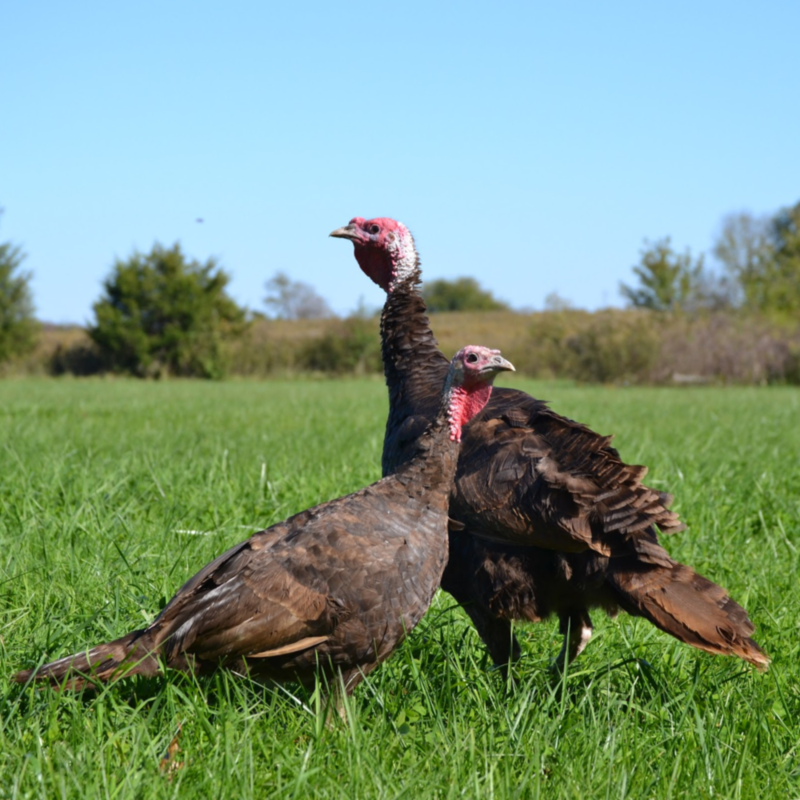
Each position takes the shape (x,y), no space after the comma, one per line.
(472,358)
(374,229)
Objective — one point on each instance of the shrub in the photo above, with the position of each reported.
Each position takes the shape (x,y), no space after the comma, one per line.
(268,347)
(611,346)
(616,347)
(548,355)
(163,315)
(728,348)
(634,346)
(18,328)
(80,358)
(351,346)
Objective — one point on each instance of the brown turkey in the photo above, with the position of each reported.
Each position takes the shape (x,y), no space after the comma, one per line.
(546,517)
(335,588)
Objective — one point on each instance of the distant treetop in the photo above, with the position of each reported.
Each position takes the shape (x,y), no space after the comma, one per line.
(288,299)
(461,294)
(762,256)
(668,281)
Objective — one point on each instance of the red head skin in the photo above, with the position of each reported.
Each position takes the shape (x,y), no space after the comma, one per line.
(472,371)
(384,249)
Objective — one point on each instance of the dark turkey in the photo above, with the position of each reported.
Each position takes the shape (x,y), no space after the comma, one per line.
(547,519)
(332,589)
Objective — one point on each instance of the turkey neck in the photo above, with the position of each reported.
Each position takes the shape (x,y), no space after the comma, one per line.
(432,469)
(412,362)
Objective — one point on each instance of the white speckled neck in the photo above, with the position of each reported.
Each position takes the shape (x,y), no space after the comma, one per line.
(404,256)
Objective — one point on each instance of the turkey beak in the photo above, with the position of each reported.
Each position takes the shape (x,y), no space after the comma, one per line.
(350,232)
(500,364)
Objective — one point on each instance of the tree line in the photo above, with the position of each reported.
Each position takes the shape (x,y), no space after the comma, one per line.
(162,313)
(760,257)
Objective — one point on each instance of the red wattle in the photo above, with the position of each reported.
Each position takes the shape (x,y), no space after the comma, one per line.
(465,403)
(376,265)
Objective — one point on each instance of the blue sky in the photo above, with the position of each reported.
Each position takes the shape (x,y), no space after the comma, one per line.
(531,145)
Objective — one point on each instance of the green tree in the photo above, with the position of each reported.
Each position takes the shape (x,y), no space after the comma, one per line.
(743,248)
(780,290)
(18,328)
(161,314)
(461,294)
(762,256)
(668,281)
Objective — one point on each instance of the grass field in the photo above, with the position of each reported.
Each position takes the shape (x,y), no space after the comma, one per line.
(112,493)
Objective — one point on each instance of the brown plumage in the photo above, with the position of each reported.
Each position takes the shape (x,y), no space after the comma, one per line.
(335,588)
(546,517)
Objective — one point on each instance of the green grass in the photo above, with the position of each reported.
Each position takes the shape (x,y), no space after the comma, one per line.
(112,493)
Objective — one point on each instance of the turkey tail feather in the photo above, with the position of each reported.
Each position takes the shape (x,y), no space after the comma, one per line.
(132,654)
(691,608)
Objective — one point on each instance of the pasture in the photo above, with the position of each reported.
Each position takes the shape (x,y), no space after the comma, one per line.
(114,492)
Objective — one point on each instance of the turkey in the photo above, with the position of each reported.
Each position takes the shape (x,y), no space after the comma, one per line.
(332,589)
(545,516)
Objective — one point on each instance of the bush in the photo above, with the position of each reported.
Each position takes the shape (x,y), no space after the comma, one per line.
(611,346)
(616,347)
(78,358)
(163,315)
(271,347)
(352,346)
(333,346)
(792,372)
(548,355)
(18,328)
(729,348)
(633,346)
